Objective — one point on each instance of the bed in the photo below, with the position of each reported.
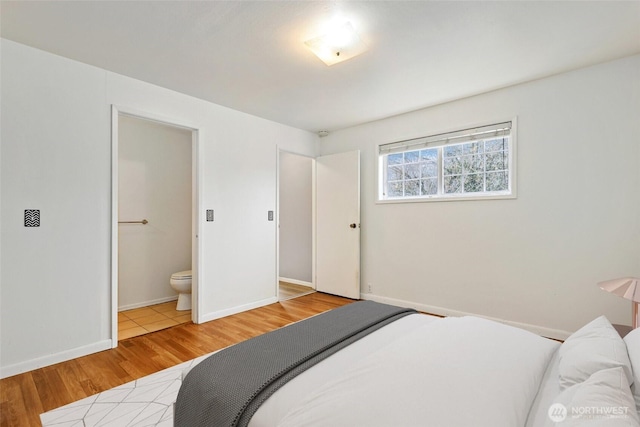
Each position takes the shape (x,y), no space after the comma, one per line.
(412,369)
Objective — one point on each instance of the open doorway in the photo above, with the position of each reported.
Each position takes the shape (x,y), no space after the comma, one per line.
(154,224)
(295,227)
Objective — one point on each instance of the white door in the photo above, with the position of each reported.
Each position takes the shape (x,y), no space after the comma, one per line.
(338,224)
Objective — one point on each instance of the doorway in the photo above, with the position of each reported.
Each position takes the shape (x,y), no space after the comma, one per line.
(333,223)
(154,221)
(295,225)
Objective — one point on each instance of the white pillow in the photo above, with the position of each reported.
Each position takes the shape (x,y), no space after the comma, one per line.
(604,399)
(632,340)
(592,348)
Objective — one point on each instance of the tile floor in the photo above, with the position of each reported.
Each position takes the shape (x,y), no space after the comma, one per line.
(140,321)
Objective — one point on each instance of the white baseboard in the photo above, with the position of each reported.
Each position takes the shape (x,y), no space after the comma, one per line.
(441,311)
(147,303)
(234,310)
(52,359)
(296,282)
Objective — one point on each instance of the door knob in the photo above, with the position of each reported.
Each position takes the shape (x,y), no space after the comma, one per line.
(352,225)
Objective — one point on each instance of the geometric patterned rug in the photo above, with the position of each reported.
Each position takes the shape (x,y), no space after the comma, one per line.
(145,402)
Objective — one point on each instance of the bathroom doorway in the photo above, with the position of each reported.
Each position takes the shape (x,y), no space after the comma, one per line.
(154,220)
(295,225)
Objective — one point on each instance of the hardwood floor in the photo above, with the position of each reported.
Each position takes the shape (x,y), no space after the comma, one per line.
(290,290)
(23,397)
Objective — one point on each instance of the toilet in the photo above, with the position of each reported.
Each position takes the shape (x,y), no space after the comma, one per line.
(181,283)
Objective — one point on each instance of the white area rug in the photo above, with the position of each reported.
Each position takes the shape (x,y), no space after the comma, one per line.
(147,401)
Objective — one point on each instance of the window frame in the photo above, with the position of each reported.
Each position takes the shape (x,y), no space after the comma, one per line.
(381,171)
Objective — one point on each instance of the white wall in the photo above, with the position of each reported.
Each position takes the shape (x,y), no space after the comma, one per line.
(154,183)
(295,217)
(536,259)
(56,157)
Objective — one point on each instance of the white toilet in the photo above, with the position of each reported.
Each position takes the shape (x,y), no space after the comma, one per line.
(181,283)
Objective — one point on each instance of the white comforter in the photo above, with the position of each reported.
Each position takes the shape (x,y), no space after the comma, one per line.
(448,372)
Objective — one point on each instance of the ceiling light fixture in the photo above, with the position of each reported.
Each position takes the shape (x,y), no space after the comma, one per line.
(339,44)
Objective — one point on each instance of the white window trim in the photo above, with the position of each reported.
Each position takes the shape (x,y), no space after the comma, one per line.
(456,196)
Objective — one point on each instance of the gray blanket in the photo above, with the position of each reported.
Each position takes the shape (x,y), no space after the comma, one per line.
(227,388)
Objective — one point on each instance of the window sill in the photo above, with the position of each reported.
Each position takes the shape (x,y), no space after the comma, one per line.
(447,199)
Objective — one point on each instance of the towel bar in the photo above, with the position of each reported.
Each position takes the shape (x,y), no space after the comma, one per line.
(143,222)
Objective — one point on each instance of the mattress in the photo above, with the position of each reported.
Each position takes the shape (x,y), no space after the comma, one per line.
(316,393)
(272,412)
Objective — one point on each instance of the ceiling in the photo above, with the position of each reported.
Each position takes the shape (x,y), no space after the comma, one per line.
(250,56)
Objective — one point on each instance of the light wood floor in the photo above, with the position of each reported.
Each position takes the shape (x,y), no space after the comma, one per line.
(23,397)
(290,290)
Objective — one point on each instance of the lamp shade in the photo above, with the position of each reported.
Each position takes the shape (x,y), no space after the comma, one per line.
(625,287)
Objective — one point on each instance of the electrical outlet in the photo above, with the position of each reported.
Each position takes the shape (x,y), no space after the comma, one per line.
(270,216)
(370,288)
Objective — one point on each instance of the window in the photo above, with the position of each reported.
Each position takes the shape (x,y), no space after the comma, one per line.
(471,163)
